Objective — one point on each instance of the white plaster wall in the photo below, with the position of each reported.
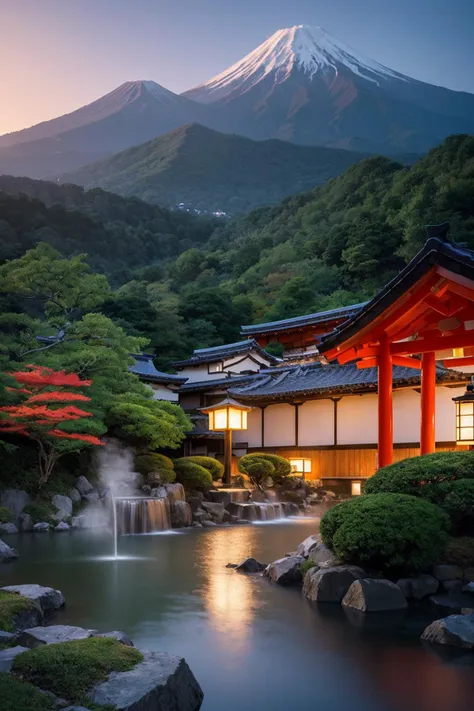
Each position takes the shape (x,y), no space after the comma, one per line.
(161,392)
(198,373)
(253,433)
(316,423)
(406,416)
(445,426)
(280,426)
(237,365)
(357,419)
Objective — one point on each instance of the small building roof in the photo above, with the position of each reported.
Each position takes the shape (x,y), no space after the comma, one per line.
(145,369)
(216,383)
(318,380)
(228,350)
(300,321)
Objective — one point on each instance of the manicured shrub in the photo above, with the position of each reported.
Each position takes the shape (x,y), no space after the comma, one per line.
(425,476)
(71,669)
(192,476)
(386,532)
(5,515)
(259,469)
(281,466)
(459,505)
(213,466)
(18,695)
(10,606)
(459,551)
(41,511)
(152,462)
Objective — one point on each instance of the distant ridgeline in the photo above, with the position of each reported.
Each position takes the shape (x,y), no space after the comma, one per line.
(326,248)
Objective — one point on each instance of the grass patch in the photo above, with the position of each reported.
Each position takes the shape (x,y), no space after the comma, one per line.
(460,551)
(11,605)
(305,566)
(71,669)
(18,695)
(5,515)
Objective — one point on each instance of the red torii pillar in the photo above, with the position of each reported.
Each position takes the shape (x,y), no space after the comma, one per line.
(385,405)
(428,394)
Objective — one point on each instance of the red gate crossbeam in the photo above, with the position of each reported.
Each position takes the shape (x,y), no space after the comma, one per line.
(458,362)
(436,343)
(404,361)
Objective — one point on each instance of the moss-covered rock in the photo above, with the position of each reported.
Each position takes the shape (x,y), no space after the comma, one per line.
(19,695)
(5,515)
(17,612)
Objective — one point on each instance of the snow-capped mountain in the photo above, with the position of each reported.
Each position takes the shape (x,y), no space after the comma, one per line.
(306,86)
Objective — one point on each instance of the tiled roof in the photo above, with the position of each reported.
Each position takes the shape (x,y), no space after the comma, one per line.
(216,383)
(297,321)
(144,368)
(319,380)
(228,350)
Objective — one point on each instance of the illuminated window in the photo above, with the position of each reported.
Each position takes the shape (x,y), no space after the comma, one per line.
(215,367)
(300,466)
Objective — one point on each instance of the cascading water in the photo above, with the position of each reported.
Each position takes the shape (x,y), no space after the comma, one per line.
(136,514)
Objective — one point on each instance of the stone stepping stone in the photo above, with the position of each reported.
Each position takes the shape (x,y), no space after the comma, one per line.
(36,636)
(48,599)
(8,655)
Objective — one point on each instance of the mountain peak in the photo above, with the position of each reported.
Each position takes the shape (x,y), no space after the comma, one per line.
(302,47)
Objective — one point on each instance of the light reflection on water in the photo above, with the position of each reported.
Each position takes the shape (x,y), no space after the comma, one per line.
(251,645)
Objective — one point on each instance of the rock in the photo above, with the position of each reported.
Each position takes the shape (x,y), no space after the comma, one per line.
(332,584)
(322,554)
(220,497)
(79,521)
(196,524)
(455,631)
(328,493)
(158,492)
(469,588)
(250,565)
(181,514)
(194,502)
(175,492)
(62,526)
(159,683)
(7,553)
(8,655)
(75,496)
(250,512)
(119,636)
(285,571)
(452,586)
(41,527)
(232,565)
(15,500)
(8,528)
(26,522)
(374,595)
(290,509)
(236,509)
(76,708)
(201,516)
(258,497)
(48,599)
(208,524)
(36,636)
(447,572)
(227,517)
(83,485)
(6,636)
(241,521)
(63,506)
(307,545)
(92,497)
(453,603)
(215,510)
(418,587)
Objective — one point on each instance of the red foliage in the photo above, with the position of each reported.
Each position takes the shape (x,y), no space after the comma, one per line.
(55,396)
(61,413)
(74,435)
(38,375)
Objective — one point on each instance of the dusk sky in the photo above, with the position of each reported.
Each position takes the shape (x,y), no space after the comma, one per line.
(57,55)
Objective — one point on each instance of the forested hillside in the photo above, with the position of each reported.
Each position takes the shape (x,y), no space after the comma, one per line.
(332,246)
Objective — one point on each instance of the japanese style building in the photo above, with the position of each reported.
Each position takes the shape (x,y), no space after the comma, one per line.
(164,385)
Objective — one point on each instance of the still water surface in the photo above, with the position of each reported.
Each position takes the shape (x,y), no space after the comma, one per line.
(251,645)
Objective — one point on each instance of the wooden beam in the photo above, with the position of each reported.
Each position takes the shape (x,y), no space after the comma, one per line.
(367,363)
(455,362)
(436,343)
(428,395)
(406,362)
(385,404)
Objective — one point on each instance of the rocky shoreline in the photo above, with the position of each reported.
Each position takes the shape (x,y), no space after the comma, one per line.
(156,682)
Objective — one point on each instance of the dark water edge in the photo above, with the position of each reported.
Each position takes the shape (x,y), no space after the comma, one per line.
(251,644)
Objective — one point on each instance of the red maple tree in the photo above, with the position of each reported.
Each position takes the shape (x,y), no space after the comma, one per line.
(40,414)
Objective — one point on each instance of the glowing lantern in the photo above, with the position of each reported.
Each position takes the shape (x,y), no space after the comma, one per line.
(356,488)
(465,416)
(224,417)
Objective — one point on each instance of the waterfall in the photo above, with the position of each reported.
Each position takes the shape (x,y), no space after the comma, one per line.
(262,511)
(239,496)
(137,514)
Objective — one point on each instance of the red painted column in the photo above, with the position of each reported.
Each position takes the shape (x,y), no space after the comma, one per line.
(428,393)
(385,404)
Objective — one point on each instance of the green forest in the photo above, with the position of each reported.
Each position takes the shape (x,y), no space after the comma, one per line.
(184,282)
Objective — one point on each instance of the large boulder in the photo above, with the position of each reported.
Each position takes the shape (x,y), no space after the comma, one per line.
(7,553)
(181,514)
(26,522)
(83,485)
(251,512)
(447,572)
(200,516)
(8,528)
(15,500)
(194,502)
(7,657)
(79,521)
(236,509)
(374,595)
(37,636)
(451,602)
(215,510)
(322,554)
(41,527)
(117,635)
(63,505)
(285,571)
(220,497)
(455,631)
(330,584)
(159,683)
(48,599)
(250,565)
(418,587)
(306,546)
(175,492)
(92,497)
(62,526)
(75,496)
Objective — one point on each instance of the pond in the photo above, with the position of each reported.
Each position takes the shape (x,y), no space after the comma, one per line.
(251,644)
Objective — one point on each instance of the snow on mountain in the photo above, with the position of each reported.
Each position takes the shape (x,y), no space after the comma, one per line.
(310,49)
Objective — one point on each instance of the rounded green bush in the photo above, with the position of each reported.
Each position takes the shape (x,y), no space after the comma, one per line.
(161,476)
(6,515)
(459,505)
(41,511)
(213,466)
(281,466)
(192,476)
(152,462)
(386,532)
(259,470)
(459,551)
(425,476)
